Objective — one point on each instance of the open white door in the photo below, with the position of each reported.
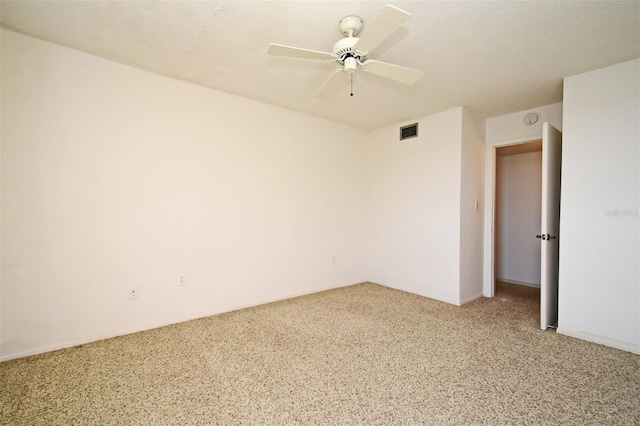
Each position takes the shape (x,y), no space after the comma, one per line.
(551,165)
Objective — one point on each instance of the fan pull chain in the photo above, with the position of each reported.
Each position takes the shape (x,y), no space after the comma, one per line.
(351,84)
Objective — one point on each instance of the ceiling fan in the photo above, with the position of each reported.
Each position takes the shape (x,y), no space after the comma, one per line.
(352,51)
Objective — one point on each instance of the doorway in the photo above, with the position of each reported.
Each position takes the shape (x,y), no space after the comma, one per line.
(517,219)
(517,214)
(548,242)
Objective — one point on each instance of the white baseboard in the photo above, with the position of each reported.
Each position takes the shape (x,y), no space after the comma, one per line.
(601,340)
(71,343)
(471,299)
(95,338)
(508,281)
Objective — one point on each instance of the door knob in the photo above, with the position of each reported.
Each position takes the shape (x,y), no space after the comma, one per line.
(546,237)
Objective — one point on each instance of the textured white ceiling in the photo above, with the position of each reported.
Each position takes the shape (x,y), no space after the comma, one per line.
(496,57)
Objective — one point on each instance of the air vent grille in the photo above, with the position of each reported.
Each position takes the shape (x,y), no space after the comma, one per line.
(410,131)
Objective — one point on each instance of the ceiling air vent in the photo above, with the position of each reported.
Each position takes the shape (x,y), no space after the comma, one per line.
(410,131)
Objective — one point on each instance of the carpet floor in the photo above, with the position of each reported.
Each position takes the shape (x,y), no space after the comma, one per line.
(360,355)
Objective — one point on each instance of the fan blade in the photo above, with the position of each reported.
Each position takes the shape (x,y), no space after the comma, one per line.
(390,19)
(331,84)
(393,72)
(296,52)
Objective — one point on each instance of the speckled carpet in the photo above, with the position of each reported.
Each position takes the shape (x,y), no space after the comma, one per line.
(364,354)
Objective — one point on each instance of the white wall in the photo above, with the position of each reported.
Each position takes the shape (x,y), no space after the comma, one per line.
(414,207)
(471,207)
(518,216)
(113,177)
(599,290)
(511,127)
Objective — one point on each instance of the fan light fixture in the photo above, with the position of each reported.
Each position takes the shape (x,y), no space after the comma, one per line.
(350,65)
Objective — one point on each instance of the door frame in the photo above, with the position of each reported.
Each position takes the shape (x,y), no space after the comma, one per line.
(488,281)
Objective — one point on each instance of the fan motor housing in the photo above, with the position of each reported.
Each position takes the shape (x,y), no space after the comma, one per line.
(345,49)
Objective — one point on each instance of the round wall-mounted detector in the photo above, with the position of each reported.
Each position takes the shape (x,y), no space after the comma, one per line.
(530,118)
